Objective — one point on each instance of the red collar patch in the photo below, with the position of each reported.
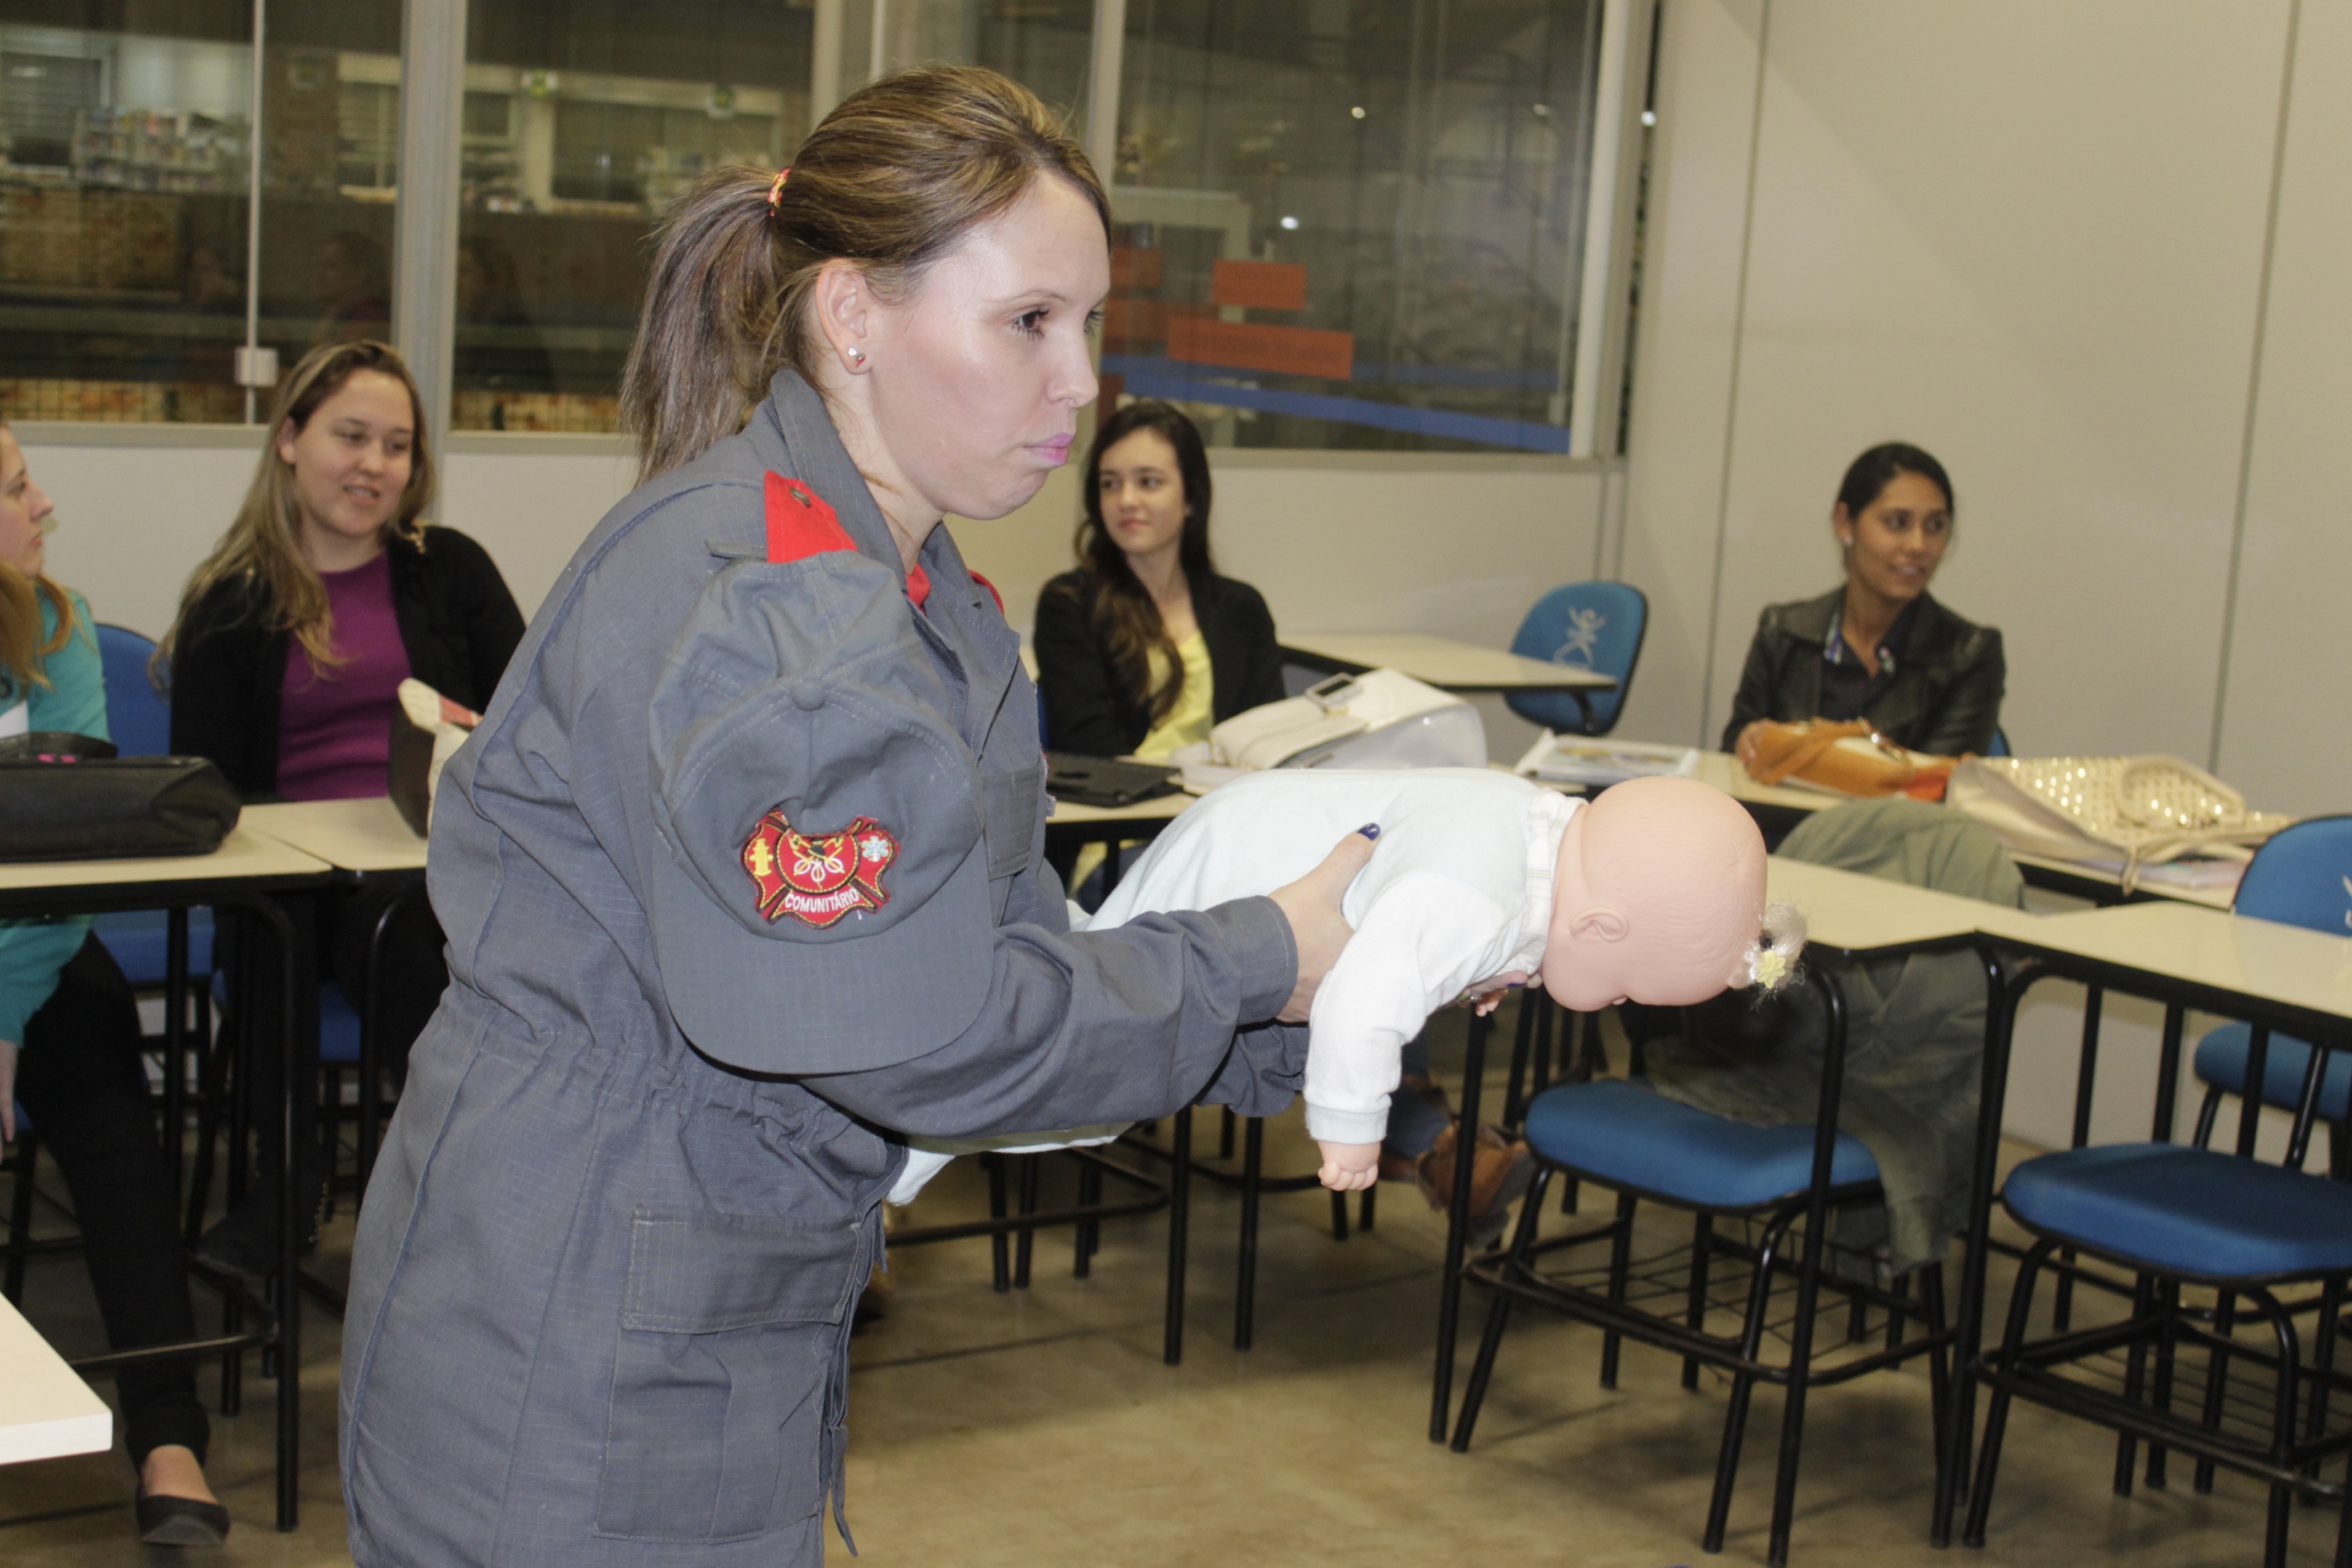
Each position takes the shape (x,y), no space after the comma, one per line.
(800,522)
(919,584)
(816,880)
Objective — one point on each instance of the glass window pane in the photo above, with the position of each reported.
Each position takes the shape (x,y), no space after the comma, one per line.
(123,175)
(330,173)
(1354,223)
(584,121)
(1046,46)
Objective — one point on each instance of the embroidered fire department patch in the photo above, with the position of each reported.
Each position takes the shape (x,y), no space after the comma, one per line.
(816,880)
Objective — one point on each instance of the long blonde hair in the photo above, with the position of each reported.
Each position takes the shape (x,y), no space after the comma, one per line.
(22,647)
(264,545)
(891,180)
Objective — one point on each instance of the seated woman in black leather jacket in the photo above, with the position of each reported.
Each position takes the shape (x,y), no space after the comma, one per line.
(1880,646)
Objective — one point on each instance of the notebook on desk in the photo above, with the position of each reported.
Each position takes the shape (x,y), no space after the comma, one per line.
(1105,781)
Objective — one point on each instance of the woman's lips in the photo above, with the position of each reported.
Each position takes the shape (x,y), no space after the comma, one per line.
(1056,451)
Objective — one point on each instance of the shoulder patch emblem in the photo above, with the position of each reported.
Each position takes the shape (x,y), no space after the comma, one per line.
(800,522)
(816,880)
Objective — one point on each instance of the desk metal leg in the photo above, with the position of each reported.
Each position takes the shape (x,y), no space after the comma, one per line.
(1457,1227)
(2001,999)
(175,1046)
(2086,1074)
(2168,1072)
(1180,1217)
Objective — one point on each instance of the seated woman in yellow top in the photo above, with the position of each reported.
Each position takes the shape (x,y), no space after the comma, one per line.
(1144,647)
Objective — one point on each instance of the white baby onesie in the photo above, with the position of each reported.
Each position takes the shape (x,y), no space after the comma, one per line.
(1459,890)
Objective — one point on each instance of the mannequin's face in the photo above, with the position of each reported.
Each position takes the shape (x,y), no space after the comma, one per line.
(1142,493)
(1893,548)
(969,390)
(24,511)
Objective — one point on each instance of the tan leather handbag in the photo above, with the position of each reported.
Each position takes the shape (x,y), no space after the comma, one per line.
(1845,758)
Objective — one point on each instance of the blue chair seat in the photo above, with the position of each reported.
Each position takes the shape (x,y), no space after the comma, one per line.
(339,1021)
(138,939)
(2187,1211)
(1616,1132)
(2222,1061)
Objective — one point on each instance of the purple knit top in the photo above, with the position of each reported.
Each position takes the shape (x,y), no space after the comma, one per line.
(334,731)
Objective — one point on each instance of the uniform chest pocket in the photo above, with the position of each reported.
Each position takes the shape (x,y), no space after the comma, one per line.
(1014,797)
(728,1329)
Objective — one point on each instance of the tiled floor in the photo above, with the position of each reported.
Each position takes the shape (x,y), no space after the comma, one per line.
(1039,1427)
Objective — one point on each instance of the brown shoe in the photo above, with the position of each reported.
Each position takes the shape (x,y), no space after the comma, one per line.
(1499,1171)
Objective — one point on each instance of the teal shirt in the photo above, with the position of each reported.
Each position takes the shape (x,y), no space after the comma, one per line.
(33,952)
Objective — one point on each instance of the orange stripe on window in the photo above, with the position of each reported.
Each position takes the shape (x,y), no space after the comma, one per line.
(1268,285)
(1284,351)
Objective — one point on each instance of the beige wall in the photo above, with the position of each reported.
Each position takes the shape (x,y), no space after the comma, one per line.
(1455,545)
(2030,238)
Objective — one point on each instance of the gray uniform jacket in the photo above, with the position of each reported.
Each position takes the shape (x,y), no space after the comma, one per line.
(742,876)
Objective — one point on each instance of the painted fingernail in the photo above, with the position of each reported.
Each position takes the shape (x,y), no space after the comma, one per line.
(1370,830)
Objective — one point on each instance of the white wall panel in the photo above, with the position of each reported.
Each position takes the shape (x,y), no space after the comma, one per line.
(2284,738)
(1684,349)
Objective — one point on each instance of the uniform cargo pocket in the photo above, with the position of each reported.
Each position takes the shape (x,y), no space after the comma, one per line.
(1014,798)
(728,1327)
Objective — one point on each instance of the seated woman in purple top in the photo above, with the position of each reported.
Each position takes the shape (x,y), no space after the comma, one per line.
(292,638)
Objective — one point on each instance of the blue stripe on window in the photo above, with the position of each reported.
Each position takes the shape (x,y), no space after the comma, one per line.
(1493,432)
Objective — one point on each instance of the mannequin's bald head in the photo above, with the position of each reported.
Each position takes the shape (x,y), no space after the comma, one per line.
(1658,895)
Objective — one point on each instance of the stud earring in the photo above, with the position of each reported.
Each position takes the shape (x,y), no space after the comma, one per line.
(857,356)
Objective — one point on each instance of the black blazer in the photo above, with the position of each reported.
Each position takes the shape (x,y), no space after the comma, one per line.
(458,623)
(1085,712)
(1945,698)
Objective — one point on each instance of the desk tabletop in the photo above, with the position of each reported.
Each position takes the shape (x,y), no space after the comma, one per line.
(47,1411)
(1724,771)
(1442,662)
(351,835)
(1851,913)
(2177,943)
(245,855)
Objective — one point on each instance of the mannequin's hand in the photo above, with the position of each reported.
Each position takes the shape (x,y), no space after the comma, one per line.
(1745,747)
(8,1088)
(1348,1167)
(1317,929)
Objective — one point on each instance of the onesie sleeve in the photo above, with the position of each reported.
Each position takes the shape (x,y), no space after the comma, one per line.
(1423,940)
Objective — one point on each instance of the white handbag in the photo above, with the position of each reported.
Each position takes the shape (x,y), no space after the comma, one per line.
(1381,719)
(2139,811)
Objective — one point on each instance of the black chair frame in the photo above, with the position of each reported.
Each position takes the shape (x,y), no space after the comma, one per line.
(2287,1460)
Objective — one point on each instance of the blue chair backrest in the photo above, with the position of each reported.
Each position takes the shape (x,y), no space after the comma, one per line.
(138,715)
(1594,626)
(1999,747)
(2303,875)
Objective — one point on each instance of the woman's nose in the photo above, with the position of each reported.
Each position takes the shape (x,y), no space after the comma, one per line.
(41,505)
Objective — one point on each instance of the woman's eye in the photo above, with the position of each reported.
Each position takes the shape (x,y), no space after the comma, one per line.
(1032,321)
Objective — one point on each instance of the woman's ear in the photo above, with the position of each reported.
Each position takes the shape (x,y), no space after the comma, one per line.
(1842,524)
(285,434)
(845,313)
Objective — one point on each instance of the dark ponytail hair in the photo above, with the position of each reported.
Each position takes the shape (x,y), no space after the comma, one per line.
(1126,622)
(891,181)
(1871,473)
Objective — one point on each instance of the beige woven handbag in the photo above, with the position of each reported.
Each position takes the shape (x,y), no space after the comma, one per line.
(2142,811)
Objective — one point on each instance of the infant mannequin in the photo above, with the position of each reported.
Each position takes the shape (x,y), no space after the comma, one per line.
(1653,892)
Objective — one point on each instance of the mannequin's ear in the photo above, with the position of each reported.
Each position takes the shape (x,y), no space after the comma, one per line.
(845,305)
(1599,924)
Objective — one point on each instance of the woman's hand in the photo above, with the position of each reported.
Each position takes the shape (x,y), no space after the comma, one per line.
(1745,747)
(1317,927)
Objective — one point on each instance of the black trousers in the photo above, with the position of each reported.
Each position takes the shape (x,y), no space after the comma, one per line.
(79,1079)
(341,922)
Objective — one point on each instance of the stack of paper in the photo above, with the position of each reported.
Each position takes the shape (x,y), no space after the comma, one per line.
(1578,760)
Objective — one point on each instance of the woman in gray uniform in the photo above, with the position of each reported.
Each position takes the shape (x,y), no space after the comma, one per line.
(744,878)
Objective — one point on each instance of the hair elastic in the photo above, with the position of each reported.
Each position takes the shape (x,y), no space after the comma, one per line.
(776,191)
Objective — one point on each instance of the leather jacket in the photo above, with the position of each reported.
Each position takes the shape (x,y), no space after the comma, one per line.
(1945,698)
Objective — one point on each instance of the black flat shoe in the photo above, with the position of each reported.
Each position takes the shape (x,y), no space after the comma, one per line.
(182,1521)
(245,1242)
